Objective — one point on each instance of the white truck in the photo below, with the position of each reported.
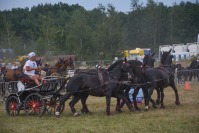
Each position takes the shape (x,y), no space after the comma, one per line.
(193,49)
(179,51)
(178,48)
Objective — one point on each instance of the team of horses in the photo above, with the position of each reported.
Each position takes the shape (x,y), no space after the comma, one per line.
(116,81)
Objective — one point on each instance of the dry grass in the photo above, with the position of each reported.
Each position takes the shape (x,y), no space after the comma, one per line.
(175,119)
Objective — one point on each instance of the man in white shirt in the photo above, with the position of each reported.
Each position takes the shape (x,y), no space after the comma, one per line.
(31,66)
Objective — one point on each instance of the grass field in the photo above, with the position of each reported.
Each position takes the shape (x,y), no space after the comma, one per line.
(173,119)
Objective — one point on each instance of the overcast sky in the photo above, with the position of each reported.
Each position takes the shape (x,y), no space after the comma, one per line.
(120,5)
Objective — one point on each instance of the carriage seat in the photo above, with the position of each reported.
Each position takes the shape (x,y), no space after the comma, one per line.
(26,80)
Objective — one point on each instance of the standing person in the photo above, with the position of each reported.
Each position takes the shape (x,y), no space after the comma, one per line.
(30,68)
(98,66)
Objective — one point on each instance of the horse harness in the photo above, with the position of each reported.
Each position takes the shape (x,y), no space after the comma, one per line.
(109,81)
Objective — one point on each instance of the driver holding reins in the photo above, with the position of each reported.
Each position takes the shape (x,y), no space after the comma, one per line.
(30,68)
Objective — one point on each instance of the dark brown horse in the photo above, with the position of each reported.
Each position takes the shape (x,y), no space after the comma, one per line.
(69,63)
(58,67)
(11,75)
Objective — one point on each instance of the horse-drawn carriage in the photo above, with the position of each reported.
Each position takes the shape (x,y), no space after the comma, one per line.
(34,100)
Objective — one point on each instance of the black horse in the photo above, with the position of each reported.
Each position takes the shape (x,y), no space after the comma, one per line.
(148,62)
(193,70)
(159,78)
(138,82)
(194,64)
(106,83)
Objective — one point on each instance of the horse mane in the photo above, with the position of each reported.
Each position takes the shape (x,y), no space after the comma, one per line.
(135,62)
(112,66)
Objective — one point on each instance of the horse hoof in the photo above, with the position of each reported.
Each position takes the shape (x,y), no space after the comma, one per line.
(157,102)
(109,114)
(57,114)
(162,107)
(154,106)
(77,114)
(146,108)
(138,109)
(83,111)
(88,112)
(177,103)
(132,109)
(119,111)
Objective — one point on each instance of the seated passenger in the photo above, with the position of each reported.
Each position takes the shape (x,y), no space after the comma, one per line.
(14,67)
(46,67)
(30,68)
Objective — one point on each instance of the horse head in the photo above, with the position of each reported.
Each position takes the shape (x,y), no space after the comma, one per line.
(124,69)
(166,58)
(39,62)
(148,60)
(194,65)
(71,63)
(61,61)
(66,63)
(136,68)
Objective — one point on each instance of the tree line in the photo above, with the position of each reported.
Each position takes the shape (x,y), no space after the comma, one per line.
(101,33)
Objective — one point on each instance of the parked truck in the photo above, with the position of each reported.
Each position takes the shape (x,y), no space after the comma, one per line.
(137,53)
(193,49)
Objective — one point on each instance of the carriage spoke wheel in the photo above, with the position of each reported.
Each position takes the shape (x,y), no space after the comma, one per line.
(51,105)
(12,106)
(34,105)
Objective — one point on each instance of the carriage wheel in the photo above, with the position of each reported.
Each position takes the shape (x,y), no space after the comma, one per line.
(34,105)
(12,106)
(51,105)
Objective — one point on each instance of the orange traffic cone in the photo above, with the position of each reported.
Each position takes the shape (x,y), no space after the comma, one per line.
(187,86)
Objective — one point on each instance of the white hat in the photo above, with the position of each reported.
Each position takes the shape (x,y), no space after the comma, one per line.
(31,54)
